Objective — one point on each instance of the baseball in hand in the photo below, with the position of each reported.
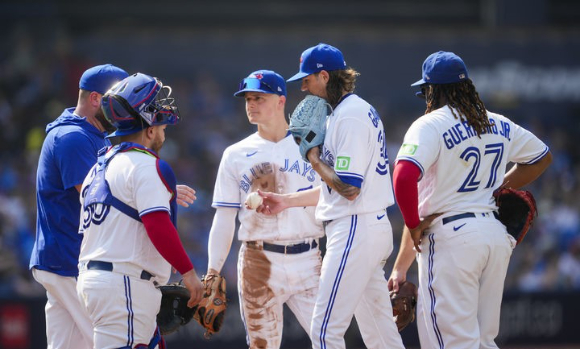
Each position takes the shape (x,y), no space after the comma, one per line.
(253,200)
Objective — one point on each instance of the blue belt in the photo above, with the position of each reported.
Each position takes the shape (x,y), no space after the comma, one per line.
(463,215)
(108,266)
(286,249)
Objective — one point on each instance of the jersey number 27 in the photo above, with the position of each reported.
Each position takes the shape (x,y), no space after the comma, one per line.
(495,151)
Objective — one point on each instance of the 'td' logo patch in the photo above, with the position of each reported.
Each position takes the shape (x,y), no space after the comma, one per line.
(342,163)
(408,149)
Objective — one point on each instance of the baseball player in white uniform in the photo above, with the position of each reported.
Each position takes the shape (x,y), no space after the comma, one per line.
(279,260)
(129,218)
(458,152)
(352,202)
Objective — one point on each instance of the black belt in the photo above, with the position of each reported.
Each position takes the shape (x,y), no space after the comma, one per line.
(108,266)
(463,215)
(286,249)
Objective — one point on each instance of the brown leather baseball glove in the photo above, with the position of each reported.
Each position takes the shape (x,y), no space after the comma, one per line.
(212,307)
(517,210)
(404,303)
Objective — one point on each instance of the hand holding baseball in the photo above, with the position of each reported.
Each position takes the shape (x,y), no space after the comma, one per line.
(272,203)
(253,201)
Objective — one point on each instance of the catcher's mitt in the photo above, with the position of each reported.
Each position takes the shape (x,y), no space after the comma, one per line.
(174,311)
(212,307)
(404,303)
(517,210)
(308,123)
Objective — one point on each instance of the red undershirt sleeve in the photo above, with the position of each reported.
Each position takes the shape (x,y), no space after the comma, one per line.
(405,177)
(164,237)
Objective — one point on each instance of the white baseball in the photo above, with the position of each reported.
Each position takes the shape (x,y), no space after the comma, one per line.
(254,200)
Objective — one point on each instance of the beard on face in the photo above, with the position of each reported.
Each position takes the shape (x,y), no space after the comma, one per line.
(157,144)
(104,122)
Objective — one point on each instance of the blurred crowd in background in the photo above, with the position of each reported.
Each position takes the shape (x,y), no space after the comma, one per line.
(39,79)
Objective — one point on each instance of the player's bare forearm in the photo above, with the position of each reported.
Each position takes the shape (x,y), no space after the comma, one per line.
(330,177)
(275,203)
(520,175)
(304,198)
(406,254)
(411,238)
(193,284)
(417,233)
(403,262)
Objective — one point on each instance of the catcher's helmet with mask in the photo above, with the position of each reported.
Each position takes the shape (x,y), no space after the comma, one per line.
(137,102)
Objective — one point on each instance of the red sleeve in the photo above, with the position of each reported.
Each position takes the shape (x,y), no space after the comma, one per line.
(164,237)
(405,177)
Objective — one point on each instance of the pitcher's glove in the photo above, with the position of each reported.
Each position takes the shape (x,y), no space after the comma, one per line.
(517,210)
(308,123)
(174,311)
(404,303)
(212,307)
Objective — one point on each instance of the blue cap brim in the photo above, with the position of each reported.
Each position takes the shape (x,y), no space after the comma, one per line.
(298,76)
(420,82)
(241,93)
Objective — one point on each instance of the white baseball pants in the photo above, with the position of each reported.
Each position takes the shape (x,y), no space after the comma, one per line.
(462,268)
(68,325)
(123,308)
(353,282)
(267,280)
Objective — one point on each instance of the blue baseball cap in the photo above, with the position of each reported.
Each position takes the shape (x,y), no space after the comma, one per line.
(318,58)
(265,81)
(443,68)
(101,78)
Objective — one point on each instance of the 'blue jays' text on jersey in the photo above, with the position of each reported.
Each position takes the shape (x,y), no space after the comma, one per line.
(256,163)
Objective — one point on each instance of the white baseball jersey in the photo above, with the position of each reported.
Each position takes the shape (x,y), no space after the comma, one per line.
(359,234)
(112,236)
(255,163)
(464,255)
(460,170)
(355,147)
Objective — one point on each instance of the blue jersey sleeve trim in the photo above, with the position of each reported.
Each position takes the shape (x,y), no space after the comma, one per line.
(539,157)
(354,181)
(413,161)
(153,209)
(226,204)
(349,174)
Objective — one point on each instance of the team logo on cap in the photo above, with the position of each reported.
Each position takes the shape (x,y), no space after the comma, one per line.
(319,65)
(259,76)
